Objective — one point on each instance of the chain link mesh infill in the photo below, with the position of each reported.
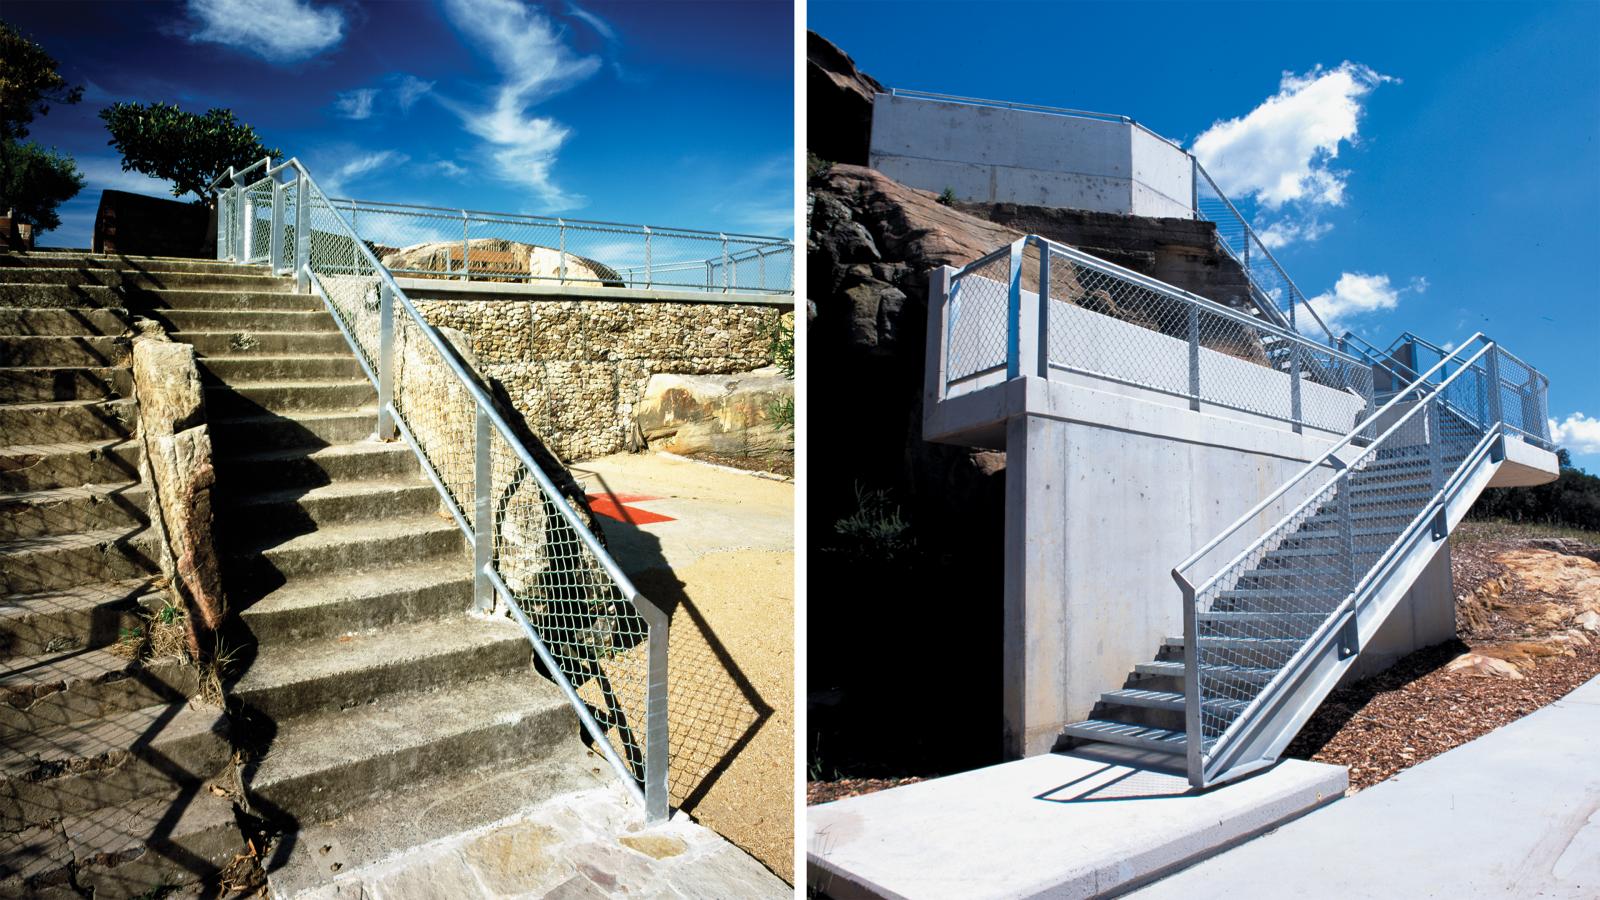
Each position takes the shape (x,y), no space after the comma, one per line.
(413,241)
(594,633)
(977,323)
(258,198)
(1262,606)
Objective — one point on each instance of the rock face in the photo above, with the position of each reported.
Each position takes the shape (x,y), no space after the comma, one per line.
(176,464)
(838,103)
(722,414)
(492,259)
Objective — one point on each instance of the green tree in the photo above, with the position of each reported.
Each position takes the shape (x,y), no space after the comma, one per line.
(29,83)
(185,148)
(34,181)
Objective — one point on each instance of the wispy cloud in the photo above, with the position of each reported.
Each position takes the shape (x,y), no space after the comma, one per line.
(358,167)
(758,199)
(449,169)
(1281,153)
(601,26)
(105,173)
(534,63)
(278,31)
(356,104)
(1357,294)
(410,90)
(1578,433)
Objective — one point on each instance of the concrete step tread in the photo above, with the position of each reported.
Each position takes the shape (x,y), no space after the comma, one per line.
(279,384)
(344,533)
(356,652)
(322,740)
(64,667)
(64,448)
(40,755)
(353,448)
(44,406)
(306,593)
(80,597)
(74,540)
(299,415)
(48,496)
(337,490)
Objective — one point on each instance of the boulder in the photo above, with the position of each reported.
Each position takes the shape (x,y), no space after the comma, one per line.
(723,414)
(492,259)
(1484,667)
(838,103)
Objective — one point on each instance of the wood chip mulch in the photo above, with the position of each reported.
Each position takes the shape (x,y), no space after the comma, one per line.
(1418,710)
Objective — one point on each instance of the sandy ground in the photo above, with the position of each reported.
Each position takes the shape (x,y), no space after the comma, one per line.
(724,567)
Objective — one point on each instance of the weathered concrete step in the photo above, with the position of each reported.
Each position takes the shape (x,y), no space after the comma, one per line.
(233,370)
(67,688)
(262,343)
(244,320)
(353,670)
(67,420)
(327,763)
(79,768)
(415,814)
(89,615)
(21,321)
(342,602)
(305,466)
(30,514)
(248,398)
(133,850)
(39,466)
(149,300)
(255,434)
(82,351)
(52,562)
(59,296)
(47,259)
(299,510)
(341,548)
(40,384)
(147,279)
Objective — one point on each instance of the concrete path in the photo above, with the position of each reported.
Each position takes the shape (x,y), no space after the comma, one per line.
(1515,813)
(715,547)
(1058,825)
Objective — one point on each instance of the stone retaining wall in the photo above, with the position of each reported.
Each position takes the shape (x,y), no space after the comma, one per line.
(577,368)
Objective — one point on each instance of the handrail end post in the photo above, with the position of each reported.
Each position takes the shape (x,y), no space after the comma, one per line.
(386,429)
(657,751)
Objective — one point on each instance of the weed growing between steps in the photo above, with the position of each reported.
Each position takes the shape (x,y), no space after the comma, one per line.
(163,636)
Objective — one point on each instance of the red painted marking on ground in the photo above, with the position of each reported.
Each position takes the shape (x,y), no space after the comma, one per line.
(615,506)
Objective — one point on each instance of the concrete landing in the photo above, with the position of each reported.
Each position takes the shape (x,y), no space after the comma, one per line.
(1515,813)
(1059,825)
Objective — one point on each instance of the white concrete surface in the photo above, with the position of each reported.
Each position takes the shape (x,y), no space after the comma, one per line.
(1058,825)
(993,154)
(1515,813)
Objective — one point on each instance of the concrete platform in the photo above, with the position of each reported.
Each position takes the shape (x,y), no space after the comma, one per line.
(1515,813)
(1058,825)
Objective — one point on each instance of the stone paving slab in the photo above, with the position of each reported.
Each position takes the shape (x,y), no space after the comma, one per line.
(1515,813)
(588,844)
(1058,825)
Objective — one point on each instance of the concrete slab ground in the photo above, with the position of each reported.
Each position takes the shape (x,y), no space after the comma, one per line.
(1057,825)
(1515,813)
(579,846)
(723,567)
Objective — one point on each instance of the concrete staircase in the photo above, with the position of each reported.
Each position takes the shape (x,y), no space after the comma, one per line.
(373,711)
(378,713)
(103,763)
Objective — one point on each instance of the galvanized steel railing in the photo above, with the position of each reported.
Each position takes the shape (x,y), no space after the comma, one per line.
(603,643)
(473,245)
(1036,307)
(1358,510)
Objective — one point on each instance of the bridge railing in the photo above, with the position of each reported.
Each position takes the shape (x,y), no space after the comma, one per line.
(602,642)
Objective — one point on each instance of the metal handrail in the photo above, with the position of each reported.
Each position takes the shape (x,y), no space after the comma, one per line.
(455,213)
(653,793)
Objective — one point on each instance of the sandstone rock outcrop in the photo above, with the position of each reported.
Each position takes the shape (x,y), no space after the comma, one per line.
(721,414)
(838,103)
(492,259)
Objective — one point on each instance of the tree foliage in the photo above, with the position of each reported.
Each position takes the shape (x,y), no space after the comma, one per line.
(29,83)
(185,148)
(1572,500)
(34,181)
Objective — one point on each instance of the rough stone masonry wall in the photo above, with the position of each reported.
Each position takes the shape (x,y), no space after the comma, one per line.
(576,368)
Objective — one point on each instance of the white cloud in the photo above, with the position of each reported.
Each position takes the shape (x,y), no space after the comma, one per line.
(1355,294)
(1281,151)
(356,104)
(358,167)
(449,169)
(1286,231)
(1578,433)
(601,26)
(410,91)
(534,63)
(276,30)
(105,173)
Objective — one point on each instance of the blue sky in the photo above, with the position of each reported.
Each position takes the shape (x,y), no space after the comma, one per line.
(1430,167)
(660,113)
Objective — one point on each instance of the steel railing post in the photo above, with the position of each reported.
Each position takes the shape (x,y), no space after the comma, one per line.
(1194,742)
(1042,327)
(1194,356)
(724,262)
(355,243)
(482,516)
(238,248)
(561,237)
(1491,363)
(656,749)
(647,273)
(275,237)
(1347,531)
(1435,446)
(466,266)
(386,429)
(247,229)
(1016,338)
(1295,411)
(302,233)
